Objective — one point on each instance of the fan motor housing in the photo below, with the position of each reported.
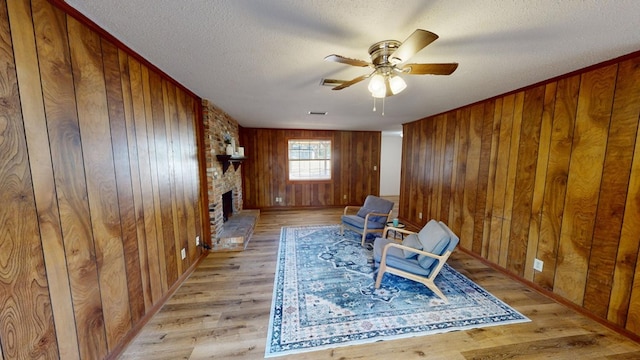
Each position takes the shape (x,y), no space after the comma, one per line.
(381,51)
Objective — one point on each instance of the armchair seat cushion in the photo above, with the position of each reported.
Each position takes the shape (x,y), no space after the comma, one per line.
(396,258)
(358,222)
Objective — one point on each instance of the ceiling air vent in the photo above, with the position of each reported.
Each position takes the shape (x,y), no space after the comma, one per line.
(317,113)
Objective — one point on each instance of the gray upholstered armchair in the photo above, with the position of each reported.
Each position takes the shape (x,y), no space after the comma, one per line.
(371,217)
(419,257)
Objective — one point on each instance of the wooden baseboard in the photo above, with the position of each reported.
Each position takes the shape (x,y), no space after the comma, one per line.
(555,297)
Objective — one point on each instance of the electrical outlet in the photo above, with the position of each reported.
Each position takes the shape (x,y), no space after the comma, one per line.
(344,197)
(420,215)
(197,240)
(183,252)
(537,264)
(375,167)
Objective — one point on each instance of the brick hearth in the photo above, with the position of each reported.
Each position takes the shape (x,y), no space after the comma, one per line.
(237,231)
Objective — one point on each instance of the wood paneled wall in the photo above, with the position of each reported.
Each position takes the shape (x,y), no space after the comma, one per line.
(355,161)
(99,187)
(550,172)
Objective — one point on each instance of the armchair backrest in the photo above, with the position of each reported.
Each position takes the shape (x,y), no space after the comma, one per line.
(454,239)
(374,204)
(436,238)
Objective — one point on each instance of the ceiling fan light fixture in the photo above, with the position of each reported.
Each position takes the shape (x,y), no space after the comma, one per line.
(397,84)
(379,94)
(377,86)
(383,85)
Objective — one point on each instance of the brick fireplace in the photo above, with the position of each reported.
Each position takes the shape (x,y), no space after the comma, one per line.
(216,124)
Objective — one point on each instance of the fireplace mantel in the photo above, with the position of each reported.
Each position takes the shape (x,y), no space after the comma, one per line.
(226,160)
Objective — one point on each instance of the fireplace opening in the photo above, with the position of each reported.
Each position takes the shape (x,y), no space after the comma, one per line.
(227,205)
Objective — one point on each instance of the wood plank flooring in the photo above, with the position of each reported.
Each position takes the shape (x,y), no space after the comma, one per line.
(222,312)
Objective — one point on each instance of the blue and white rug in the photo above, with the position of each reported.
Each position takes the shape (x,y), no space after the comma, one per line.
(324,297)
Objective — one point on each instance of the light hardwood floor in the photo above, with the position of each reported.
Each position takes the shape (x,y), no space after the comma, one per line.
(222,312)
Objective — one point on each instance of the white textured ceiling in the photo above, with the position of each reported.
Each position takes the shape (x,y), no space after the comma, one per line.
(262,61)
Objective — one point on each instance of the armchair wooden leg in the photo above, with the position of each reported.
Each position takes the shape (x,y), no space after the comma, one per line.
(381,271)
(436,291)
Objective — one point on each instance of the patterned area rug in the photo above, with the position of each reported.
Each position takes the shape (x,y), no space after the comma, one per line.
(324,297)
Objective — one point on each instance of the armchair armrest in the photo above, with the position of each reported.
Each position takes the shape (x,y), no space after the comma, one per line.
(419,252)
(349,208)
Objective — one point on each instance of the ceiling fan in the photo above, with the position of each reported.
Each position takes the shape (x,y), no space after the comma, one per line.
(388,60)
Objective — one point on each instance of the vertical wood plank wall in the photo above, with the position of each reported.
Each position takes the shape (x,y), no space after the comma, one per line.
(99,187)
(550,172)
(355,155)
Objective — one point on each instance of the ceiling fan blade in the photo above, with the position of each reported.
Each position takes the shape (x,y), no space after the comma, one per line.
(414,43)
(332,82)
(429,69)
(346,60)
(351,82)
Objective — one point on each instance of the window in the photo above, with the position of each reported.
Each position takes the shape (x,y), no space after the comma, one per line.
(309,160)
